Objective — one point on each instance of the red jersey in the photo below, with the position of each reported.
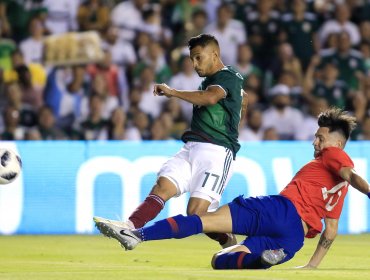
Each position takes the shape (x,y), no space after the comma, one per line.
(317,190)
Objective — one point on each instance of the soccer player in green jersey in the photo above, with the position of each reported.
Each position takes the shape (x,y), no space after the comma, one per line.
(204,165)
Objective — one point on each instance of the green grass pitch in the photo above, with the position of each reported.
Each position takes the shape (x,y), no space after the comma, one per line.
(80,257)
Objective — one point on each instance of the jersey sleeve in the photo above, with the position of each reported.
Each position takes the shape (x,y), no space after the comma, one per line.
(335,158)
(230,82)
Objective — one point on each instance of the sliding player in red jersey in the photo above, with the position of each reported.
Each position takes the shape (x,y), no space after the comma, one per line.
(275,225)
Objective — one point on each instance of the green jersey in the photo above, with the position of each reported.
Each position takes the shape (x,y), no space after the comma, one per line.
(218,124)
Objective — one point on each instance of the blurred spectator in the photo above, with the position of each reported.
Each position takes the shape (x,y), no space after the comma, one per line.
(117,84)
(254,98)
(161,127)
(12,130)
(5,29)
(32,47)
(95,126)
(63,93)
(30,80)
(141,44)
(134,97)
(229,32)
(365,51)
(197,25)
(127,15)
(149,104)
(339,24)
(47,127)
(179,123)
(263,27)
(253,130)
(141,122)
(270,134)
(176,16)
(30,94)
(348,60)
(155,57)
(280,115)
(152,24)
(289,79)
(309,125)
(93,15)
(7,47)
(99,87)
(42,15)
(37,71)
(118,128)
(327,86)
(365,129)
(330,44)
(285,61)
(254,81)
(61,15)
(186,79)
(362,10)
(244,63)
(14,99)
(300,30)
(32,134)
(361,100)
(122,52)
(18,15)
(365,31)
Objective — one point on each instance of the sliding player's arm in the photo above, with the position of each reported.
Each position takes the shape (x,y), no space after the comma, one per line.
(326,239)
(210,96)
(355,180)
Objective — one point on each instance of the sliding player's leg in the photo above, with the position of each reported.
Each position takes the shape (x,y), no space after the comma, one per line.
(274,231)
(173,227)
(200,206)
(257,252)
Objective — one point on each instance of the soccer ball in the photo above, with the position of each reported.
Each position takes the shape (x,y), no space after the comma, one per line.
(10,166)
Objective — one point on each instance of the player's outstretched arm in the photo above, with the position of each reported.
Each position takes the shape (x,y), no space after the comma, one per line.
(326,239)
(210,96)
(356,181)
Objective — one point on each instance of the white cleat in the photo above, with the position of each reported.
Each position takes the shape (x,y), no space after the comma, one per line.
(125,236)
(231,241)
(114,222)
(273,257)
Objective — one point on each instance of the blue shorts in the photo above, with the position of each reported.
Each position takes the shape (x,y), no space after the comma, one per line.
(270,222)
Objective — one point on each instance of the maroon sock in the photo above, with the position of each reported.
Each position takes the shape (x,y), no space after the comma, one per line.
(147,210)
(220,237)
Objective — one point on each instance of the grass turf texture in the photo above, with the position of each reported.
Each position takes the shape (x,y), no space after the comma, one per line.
(90,257)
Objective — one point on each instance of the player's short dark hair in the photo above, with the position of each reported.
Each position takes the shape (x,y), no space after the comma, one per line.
(202,40)
(337,120)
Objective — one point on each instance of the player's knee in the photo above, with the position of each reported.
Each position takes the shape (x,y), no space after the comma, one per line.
(195,211)
(197,207)
(164,189)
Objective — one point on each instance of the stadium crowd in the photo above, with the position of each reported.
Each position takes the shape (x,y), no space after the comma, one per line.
(298,57)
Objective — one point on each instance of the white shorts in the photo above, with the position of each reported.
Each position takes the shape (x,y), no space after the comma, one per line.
(202,169)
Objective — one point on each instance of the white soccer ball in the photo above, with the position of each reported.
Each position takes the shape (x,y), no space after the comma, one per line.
(10,166)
